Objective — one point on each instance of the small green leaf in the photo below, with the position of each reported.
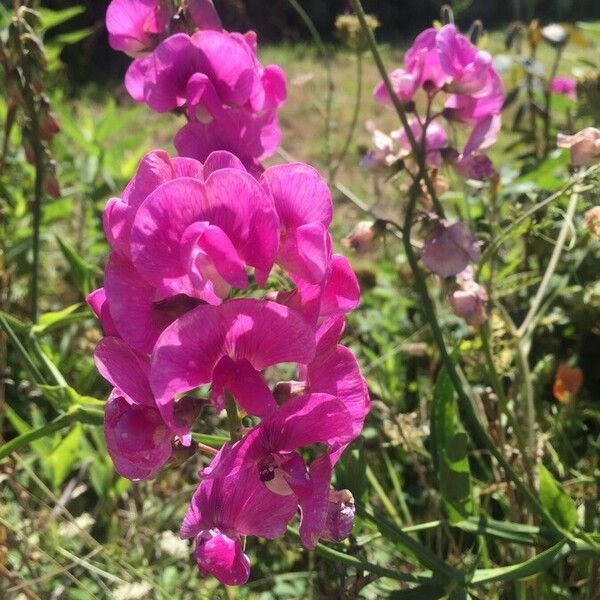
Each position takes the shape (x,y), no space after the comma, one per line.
(65,454)
(450,447)
(556,501)
(53,18)
(538,564)
(81,271)
(59,317)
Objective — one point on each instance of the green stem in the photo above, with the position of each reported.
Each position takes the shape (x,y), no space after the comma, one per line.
(499,239)
(233,417)
(385,500)
(416,148)
(548,100)
(77,414)
(560,242)
(425,556)
(353,561)
(214,441)
(473,424)
(355,114)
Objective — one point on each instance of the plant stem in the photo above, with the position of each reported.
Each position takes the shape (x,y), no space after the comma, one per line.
(233,417)
(560,242)
(548,100)
(417,150)
(355,114)
(474,426)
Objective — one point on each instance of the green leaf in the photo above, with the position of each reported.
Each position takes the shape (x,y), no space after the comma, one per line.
(538,564)
(556,501)
(423,592)
(57,318)
(80,270)
(512,532)
(65,454)
(66,396)
(53,18)
(450,447)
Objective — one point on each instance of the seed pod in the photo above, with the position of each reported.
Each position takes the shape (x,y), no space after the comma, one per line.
(447,15)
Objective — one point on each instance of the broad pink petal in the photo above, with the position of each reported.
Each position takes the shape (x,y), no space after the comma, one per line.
(204,15)
(315,503)
(222,557)
(125,369)
(97,302)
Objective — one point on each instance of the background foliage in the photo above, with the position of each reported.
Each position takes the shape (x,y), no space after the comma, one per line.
(71,528)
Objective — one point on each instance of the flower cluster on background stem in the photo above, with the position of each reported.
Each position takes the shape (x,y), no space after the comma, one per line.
(219,270)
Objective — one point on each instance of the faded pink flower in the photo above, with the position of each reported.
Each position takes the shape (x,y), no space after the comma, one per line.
(468,299)
(361,238)
(436,139)
(584,146)
(449,248)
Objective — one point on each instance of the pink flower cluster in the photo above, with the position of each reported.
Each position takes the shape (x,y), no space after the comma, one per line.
(187,62)
(444,61)
(221,276)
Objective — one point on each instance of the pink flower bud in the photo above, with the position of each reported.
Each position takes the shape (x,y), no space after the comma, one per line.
(469,298)
(48,126)
(340,516)
(584,146)
(448,249)
(361,237)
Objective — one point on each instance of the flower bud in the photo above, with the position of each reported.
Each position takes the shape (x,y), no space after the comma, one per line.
(555,35)
(361,238)
(340,516)
(448,249)
(48,125)
(584,146)
(469,298)
(51,185)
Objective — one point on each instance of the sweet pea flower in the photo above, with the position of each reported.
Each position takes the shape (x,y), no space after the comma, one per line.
(137,438)
(134,25)
(249,136)
(584,146)
(138,311)
(385,152)
(224,509)
(229,345)
(362,236)
(198,237)
(469,70)
(270,451)
(303,202)
(449,248)
(404,84)
(337,294)
(436,139)
(566,86)
(591,219)
(469,298)
(422,60)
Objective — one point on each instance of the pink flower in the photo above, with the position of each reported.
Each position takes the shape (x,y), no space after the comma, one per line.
(251,137)
(404,84)
(224,509)
(228,345)
(469,70)
(303,202)
(436,139)
(469,298)
(197,237)
(133,25)
(566,86)
(204,15)
(270,451)
(155,168)
(422,60)
(584,146)
(449,248)
(137,438)
(361,238)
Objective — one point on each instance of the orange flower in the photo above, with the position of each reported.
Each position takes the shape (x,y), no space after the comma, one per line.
(567,383)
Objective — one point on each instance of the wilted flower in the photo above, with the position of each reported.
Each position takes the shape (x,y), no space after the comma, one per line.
(340,516)
(361,238)
(584,146)
(348,29)
(592,220)
(566,86)
(469,298)
(567,383)
(449,248)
